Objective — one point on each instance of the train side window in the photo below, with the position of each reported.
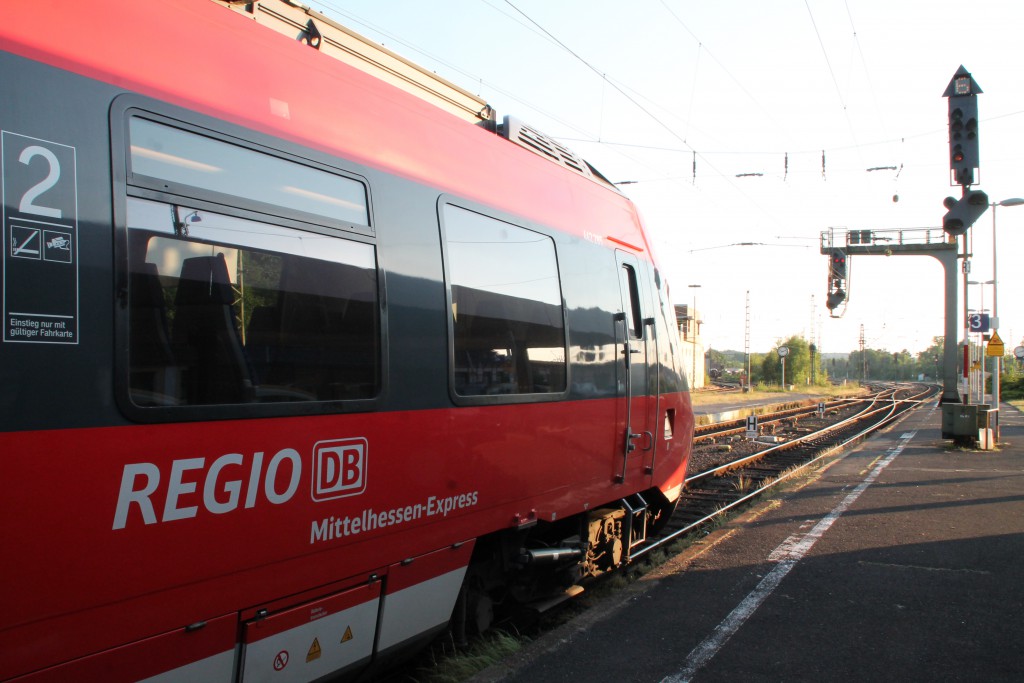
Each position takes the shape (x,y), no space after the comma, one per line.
(165,158)
(507,318)
(224,310)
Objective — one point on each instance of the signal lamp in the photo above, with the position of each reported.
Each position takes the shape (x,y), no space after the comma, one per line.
(964,212)
(837,266)
(835,299)
(956,122)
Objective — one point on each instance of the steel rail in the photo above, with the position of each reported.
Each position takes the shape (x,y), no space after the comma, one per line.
(892,409)
(727,427)
(740,462)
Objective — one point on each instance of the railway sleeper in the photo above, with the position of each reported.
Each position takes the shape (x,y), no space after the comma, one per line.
(708,496)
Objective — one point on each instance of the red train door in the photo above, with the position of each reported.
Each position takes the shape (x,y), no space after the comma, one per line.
(636,344)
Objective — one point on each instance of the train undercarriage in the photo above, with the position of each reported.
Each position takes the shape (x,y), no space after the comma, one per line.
(529,570)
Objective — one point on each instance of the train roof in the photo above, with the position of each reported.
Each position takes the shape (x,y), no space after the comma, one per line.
(203,56)
(320,32)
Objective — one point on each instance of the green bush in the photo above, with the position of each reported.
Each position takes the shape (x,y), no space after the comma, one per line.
(1011,389)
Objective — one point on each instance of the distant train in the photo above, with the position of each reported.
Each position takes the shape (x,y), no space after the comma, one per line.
(299,370)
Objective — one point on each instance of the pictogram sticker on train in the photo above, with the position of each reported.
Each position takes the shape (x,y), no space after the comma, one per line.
(314,651)
(40,218)
(25,242)
(57,246)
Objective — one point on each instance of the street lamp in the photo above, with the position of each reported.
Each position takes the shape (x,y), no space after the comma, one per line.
(997,362)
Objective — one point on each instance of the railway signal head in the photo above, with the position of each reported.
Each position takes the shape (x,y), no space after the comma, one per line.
(837,265)
(835,299)
(964,212)
(963,139)
(964,155)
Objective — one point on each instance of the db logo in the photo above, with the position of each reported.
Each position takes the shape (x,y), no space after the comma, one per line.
(339,469)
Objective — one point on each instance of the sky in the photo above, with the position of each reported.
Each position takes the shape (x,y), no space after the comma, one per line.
(744,130)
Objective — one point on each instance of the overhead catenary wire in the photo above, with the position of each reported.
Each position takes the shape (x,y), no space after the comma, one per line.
(835,82)
(870,81)
(479,80)
(782,170)
(633,100)
(693,87)
(603,76)
(766,111)
(703,50)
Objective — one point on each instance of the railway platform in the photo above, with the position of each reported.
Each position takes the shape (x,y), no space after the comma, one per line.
(901,560)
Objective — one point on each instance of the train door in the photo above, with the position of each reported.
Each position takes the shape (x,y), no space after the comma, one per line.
(636,344)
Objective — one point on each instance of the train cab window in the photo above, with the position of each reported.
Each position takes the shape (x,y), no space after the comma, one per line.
(224,310)
(507,319)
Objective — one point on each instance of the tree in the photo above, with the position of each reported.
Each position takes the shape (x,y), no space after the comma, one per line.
(929,361)
(756,360)
(798,364)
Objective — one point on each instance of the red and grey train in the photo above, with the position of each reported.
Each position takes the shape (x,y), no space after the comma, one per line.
(299,370)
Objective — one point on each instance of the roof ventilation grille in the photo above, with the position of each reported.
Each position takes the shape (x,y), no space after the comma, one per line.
(532,139)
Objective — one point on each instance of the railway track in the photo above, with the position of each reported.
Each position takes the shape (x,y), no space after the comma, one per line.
(723,480)
(711,432)
(729,477)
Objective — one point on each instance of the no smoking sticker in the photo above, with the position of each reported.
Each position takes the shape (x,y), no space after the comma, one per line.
(25,242)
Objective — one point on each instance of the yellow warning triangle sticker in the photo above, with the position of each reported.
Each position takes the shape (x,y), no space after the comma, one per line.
(995,347)
(348,635)
(314,651)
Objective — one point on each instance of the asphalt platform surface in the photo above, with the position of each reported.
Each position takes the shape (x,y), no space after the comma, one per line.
(902,560)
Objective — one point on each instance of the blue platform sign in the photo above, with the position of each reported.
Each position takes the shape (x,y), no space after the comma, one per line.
(978,322)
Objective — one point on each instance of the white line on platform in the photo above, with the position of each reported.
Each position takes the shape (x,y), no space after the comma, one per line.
(787,554)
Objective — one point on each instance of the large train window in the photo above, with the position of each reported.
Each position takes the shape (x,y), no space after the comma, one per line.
(507,319)
(224,310)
